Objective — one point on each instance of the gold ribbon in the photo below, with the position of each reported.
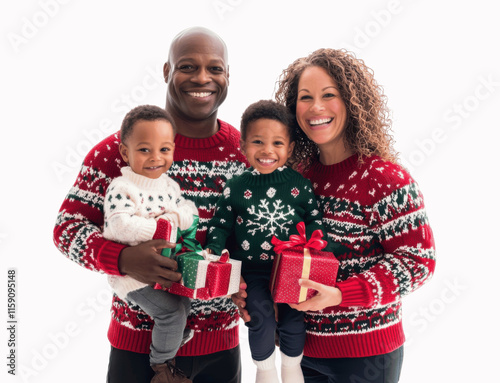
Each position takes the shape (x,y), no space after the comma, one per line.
(306,270)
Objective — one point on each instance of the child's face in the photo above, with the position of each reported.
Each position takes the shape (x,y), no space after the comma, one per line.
(149,150)
(267,145)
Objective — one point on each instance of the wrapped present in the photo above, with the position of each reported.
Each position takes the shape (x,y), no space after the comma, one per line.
(204,276)
(210,277)
(193,267)
(223,276)
(300,258)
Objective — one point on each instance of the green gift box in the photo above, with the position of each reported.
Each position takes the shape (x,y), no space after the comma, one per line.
(190,266)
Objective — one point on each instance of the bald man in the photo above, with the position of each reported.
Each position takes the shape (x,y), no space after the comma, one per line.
(206,155)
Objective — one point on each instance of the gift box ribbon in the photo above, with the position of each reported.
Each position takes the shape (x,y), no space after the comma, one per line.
(315,242)
(300,240)
(185,241)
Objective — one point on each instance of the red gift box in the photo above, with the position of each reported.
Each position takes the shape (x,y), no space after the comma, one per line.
(222,277)
(300,258)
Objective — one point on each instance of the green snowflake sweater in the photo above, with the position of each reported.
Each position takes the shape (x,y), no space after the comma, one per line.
(256,207)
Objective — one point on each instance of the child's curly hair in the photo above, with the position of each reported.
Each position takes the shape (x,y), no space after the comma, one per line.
(368,122)
(271,110)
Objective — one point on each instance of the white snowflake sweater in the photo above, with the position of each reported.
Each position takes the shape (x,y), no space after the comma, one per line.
(257,207)
(134,208)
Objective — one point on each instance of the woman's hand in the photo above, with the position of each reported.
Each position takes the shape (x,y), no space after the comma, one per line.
(239,300)
(327,296)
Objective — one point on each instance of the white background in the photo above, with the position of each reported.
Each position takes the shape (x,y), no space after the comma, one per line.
(71,69)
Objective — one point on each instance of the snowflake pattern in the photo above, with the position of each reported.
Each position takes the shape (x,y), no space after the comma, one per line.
(270,219)
(245,245)
(271,192)
(266,246)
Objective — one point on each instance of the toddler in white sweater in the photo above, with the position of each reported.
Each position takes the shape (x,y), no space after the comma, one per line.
(144,204)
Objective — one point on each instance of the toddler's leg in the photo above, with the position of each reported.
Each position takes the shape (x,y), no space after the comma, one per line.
(187,333)
(169,314)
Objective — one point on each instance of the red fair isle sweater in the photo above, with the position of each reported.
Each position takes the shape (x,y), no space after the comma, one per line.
(201,167)
(375,212)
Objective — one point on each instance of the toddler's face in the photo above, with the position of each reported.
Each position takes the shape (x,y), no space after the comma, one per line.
(149,150)
(267,145)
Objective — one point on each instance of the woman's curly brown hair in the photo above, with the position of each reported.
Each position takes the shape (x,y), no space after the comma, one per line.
(368,122)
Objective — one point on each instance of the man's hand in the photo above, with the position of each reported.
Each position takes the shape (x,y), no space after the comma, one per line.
(239,300)
(145,263)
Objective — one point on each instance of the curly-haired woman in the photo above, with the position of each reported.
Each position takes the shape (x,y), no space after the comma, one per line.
(371,206)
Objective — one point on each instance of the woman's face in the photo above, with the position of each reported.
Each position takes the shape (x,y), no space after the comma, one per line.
(321,112)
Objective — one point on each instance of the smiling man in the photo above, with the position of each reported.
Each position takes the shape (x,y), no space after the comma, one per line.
(206,155)
(198,76)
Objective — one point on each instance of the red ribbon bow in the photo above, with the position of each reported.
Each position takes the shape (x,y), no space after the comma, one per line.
(300,240)
(224,258)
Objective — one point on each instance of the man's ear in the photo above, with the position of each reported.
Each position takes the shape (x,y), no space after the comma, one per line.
(123,152)
(166,71)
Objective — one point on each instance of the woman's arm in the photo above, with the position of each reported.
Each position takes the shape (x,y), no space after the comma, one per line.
(399,223)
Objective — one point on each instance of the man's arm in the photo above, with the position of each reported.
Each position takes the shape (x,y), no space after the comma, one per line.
(78,229)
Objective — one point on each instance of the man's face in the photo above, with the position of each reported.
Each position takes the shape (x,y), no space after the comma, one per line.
(197,77)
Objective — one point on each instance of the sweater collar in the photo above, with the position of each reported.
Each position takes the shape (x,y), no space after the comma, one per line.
(278,176)
(218,138)
(144,182)
(348,165)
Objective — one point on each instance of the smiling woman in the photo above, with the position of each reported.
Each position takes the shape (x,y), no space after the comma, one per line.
(372,209)
(322,113)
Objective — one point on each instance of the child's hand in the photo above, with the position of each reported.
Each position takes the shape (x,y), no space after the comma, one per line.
(239,300)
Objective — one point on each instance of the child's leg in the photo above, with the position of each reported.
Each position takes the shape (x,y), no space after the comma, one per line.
(266,370)
(292,330)
(261,327)
(169,314)
(188,333)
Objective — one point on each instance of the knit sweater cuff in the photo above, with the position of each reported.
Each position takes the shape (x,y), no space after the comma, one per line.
(108,257)
(355,292)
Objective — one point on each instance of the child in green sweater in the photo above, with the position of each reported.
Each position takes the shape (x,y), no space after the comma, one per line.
(267,200)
